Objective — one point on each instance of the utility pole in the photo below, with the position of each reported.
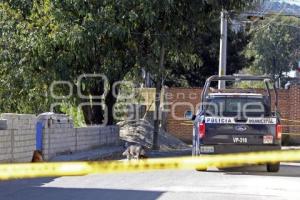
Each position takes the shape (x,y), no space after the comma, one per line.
(298,70)
(223,48)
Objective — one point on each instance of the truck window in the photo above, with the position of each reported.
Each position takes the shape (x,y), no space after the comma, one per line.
(237,107)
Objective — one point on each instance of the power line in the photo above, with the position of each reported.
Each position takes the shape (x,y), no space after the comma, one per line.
(242,23)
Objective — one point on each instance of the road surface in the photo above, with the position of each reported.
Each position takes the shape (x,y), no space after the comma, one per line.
(241,183)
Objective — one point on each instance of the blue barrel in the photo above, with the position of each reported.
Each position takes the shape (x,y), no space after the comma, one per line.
(39,136)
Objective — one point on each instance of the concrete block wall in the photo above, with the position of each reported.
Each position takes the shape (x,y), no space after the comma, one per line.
(60,136)
(88,137)
(95,136)
(23,145)
(5,146)
(17,143)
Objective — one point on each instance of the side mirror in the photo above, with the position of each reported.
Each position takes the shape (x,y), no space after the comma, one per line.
(273,114)
(189,115)
(276,114)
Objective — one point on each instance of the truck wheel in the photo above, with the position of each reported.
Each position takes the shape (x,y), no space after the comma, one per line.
(274,167)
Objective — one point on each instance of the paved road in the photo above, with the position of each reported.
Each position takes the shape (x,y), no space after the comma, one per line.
(244,183)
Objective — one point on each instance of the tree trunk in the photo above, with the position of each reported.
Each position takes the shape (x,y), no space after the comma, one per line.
(110,101)
(156,121)
(158,85)
(93,113)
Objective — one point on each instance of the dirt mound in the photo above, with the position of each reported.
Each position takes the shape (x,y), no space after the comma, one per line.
(141,132)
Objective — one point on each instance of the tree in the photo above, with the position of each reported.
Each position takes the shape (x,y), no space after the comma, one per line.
(168,32)
(62,39)
(59,40)
(273,46)
(17,79)
(206,45)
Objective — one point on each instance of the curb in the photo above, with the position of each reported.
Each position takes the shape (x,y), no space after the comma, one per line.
(104,153)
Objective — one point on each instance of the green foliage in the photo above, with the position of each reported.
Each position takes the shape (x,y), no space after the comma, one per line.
(21,87)
(75,113)
(206,47)
(274,46)
(250,85)
(46,41)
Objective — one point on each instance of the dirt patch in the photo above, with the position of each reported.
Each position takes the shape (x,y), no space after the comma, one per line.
(141,132)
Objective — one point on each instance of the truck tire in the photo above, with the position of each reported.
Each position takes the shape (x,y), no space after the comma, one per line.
(274,167)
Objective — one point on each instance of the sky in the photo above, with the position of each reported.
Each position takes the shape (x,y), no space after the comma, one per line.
(297,2)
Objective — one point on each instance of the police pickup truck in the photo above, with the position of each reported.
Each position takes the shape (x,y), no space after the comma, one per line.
(237,121)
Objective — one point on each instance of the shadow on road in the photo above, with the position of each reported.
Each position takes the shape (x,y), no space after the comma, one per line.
(32,189)
(286,170)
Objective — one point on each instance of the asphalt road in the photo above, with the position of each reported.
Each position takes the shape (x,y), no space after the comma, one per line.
(241,183)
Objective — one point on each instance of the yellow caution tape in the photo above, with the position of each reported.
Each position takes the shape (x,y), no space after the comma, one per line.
(290,125)
(283,119)
(188,121)
(186,124)
(290,120)
(35,170)
(283,125)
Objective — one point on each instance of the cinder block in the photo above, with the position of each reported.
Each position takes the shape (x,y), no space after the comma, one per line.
(9,116)
(27,137)
(23,149)
(5,149)
(5,158)
(26,116)
(12,124)
(5,145)
(23,160)
(24,121)
(19,155)
(5,138)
